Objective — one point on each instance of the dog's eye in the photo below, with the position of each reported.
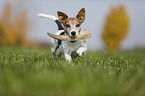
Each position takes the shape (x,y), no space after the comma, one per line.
(67,25)
(77,25)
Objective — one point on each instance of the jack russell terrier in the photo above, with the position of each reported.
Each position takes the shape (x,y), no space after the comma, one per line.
(72,28)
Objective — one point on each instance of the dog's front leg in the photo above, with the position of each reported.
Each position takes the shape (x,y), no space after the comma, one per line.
(82,50)
(67,56)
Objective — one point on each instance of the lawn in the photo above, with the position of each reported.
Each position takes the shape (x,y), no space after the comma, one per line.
(33,72)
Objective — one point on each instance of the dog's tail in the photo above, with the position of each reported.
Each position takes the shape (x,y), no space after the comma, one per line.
(60,27)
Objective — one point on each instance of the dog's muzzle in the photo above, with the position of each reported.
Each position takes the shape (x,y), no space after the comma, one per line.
(73,33)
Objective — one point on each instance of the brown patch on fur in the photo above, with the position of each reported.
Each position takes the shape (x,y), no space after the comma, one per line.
(62,17)
(81,15)
(80,18)
(72,21)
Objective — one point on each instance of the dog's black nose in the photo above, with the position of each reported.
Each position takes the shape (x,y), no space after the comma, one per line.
(73,33)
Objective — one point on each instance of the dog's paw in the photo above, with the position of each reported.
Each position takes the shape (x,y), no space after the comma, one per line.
(79,53)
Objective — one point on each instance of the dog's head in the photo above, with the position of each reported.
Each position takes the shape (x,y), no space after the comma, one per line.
(72,26)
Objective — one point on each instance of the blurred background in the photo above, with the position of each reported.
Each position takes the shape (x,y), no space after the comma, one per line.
(116,25)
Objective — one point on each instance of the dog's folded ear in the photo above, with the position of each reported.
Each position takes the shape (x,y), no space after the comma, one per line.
(62,17)
(81,15)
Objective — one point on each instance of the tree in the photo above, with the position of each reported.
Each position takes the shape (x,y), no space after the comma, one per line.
(116,27)
(13,30)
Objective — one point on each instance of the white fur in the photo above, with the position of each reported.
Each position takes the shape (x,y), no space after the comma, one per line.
(67,48)
(48,16)
(79,47)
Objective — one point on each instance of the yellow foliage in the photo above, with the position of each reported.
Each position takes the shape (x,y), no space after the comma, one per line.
(13,30)
(116,27)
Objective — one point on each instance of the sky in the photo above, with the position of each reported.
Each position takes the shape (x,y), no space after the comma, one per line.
(96,12)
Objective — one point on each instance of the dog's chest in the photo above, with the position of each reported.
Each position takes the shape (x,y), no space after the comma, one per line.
(72,46)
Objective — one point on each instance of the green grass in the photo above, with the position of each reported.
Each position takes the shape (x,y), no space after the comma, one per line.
(32,72)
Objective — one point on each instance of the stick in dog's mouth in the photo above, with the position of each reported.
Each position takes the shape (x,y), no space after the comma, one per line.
(82,35)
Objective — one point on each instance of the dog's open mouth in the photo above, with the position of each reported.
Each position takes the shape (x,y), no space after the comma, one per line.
(82,35)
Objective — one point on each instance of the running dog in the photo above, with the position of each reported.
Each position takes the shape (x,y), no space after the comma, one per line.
(71,27)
